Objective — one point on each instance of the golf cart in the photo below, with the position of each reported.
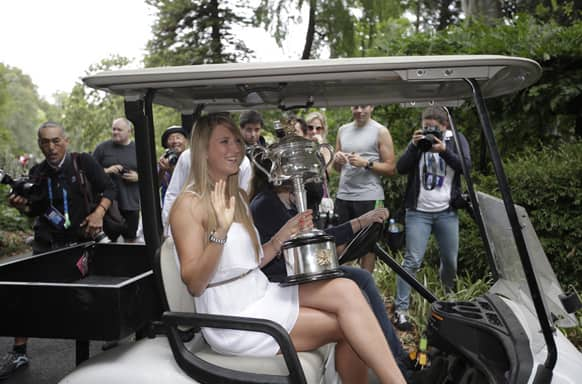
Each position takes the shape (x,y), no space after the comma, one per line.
(508,335)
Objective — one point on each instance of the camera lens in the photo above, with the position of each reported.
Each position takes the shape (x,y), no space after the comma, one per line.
(425,144)
(172,156)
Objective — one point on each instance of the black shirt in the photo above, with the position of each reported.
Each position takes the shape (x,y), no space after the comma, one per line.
(65,178)
(270,214)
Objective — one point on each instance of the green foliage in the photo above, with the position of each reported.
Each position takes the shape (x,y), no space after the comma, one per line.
(547,182)
(13,226)
(195,32)
(346,28)
(10,218)
(466,288)
(87,113)
(20,111)
(547,110)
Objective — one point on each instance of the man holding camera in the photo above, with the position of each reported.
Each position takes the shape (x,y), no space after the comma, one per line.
(175,141)
(434,170)
(55,197)
(118,158)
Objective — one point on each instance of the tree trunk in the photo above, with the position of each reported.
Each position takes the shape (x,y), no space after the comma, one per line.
(215,38)
(417,26)
(310,31)
(487,10)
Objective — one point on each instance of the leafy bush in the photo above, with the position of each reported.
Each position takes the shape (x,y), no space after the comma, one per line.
(548,184)
(15,227)
(543,112)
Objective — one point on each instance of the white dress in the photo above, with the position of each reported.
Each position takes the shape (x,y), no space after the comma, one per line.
(249,296)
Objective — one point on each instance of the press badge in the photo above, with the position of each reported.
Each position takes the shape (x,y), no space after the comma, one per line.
(55,218)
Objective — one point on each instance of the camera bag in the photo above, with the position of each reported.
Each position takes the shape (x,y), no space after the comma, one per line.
(113,222)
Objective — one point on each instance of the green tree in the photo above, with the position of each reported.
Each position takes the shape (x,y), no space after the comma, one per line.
(87,113)
(20,109)
(195,32)
(546,111)
(488,11)
(346,27)
(433,14)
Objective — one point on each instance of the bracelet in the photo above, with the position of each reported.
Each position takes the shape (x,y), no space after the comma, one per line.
(102,206)
(216,240)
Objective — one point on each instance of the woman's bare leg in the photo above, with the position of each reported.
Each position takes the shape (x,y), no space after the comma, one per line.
(315,328)
(343,299)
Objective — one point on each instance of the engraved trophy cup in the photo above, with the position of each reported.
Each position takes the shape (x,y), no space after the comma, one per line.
(309,255)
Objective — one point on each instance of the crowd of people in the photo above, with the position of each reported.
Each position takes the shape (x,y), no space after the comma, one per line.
(229,224)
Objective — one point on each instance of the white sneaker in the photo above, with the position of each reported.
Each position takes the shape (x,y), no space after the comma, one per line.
(401,321)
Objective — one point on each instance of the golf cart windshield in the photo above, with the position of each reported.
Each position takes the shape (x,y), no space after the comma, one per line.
(512,282)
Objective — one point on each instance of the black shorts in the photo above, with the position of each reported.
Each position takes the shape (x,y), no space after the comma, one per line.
(347,209)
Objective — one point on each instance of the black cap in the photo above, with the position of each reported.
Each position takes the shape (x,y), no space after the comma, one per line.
(169,131)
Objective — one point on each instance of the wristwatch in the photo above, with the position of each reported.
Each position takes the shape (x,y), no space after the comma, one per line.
(214,239)
(370,164)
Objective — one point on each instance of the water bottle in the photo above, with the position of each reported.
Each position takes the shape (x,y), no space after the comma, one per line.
(393,227)
(394,235)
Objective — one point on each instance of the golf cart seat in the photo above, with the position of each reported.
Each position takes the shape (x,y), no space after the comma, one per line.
(170,359)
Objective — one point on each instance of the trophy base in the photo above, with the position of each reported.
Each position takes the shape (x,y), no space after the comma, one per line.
(310,277)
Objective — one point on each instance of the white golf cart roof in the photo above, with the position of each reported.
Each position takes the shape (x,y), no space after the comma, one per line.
(415,80)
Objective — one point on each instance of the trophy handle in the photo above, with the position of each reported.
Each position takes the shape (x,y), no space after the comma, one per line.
(255,151)
(330,149)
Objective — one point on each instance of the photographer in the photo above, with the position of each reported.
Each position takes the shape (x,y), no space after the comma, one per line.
(55,198)
(434,173)
(175,141)
(118,159)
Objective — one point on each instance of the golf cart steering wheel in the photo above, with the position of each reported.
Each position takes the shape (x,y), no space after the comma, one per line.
(362,243)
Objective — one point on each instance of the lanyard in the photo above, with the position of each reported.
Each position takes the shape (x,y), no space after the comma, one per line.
(434,175)
(65,201)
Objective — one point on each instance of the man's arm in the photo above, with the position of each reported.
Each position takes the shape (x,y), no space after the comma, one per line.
(102,186)
(386,165)
(339,158)
(101,183)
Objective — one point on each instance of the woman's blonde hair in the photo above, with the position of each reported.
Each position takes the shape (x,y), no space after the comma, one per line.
(200,183)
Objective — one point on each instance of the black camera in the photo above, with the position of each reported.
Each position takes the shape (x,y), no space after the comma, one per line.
(430,133)
(21,186)
(279,130)
(172,156)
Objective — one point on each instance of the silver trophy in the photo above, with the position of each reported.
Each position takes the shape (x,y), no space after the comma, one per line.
(309,255)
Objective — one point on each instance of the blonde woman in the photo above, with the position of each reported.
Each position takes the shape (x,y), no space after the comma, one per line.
(220,259)
(317,131)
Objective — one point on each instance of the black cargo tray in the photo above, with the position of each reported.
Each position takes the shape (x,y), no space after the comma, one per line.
(48,295)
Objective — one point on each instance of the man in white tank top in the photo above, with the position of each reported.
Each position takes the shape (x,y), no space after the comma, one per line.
(364,152)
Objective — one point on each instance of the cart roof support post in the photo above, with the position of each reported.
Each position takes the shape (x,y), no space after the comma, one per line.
(471,188)
(544,372)
(138,109)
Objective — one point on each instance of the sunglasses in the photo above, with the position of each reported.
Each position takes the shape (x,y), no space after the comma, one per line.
(315,128)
